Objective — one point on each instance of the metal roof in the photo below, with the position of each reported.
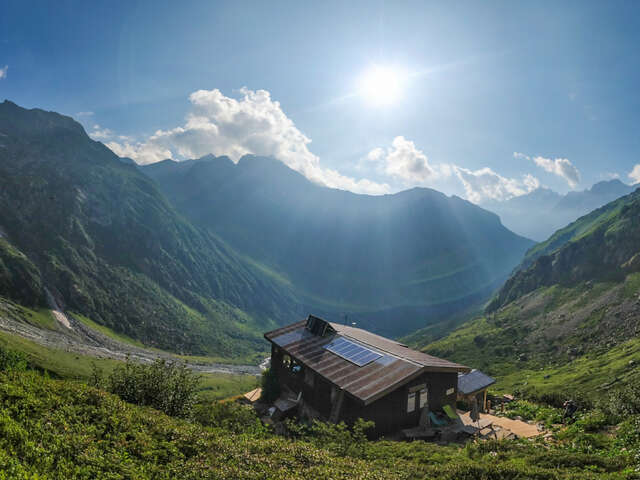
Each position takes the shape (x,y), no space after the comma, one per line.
(474,381)
(397,365)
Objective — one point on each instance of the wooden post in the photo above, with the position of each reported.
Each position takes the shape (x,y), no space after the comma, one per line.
(484,401)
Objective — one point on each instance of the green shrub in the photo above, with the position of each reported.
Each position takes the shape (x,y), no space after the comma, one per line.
(628,439)
(338,438)
(533,411)
(567,459)
(623,401)
(12,360)
(230,416)
(629,433)
(592,421)
(164,385)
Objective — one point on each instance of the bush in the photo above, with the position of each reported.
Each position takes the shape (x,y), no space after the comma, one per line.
(623,402)
(12,360)
(230,416)
(339,437)
(593,421)
(532,411)
(164,385)
(628,438)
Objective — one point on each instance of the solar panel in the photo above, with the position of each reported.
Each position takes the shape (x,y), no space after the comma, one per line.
(353,352)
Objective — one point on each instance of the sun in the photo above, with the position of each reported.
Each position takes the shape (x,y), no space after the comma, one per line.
(381,85)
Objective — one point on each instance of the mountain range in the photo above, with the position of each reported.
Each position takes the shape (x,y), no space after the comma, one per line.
(99,237)
(411,256)
(202,256)
(538,214)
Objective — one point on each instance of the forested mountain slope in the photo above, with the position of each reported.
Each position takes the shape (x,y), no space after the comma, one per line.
(570,316)
(393,263)
(104,241)
(603,245)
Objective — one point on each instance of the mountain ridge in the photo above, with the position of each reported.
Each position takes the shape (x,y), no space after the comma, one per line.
(107,244)
(588,242)
(538,214)
(568,318)
(366,256)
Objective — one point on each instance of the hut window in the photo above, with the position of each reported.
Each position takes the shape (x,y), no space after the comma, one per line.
(411,402)
(424,397)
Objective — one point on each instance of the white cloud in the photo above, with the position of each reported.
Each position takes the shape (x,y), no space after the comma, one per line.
(403,161)
(375,154)
(406,162)
(84,114)
(3,71)
(253,124)
(634,175)
(530,182)
(485,184)
(142,154)
(559,166)
(100,133)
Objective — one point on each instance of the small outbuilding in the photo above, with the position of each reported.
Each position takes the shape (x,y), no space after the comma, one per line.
(342,373)
(472,387)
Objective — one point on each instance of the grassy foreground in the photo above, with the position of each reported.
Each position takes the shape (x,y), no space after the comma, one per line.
(59,429)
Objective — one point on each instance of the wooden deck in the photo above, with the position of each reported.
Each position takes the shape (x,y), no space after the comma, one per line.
(517,427)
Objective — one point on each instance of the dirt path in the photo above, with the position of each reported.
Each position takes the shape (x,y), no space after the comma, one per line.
(76,337)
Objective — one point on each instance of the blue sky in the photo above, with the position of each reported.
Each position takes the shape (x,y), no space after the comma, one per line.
(493,98)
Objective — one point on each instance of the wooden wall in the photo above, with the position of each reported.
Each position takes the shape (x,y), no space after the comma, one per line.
(389,412)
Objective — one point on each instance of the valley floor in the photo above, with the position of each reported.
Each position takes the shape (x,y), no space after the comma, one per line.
(84,340)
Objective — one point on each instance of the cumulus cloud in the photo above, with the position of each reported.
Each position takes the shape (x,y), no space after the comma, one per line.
(253,124)
(634,175)
(3,71)
(485,184)
(559,166)
(100,133)
(406,162)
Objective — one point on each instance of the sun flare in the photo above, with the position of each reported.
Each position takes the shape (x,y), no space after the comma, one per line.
(381,85)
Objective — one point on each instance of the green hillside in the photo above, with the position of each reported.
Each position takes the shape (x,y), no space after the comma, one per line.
(579,228)
(104,241)
(569,319)
(601,246)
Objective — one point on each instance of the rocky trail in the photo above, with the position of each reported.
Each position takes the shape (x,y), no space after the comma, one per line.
(74,336)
